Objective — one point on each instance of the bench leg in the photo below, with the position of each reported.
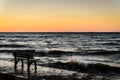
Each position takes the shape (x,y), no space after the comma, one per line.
(35,67)
(28,68)
(22,65)
(15,65)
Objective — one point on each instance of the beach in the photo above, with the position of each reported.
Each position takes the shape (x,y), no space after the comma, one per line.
(62,56)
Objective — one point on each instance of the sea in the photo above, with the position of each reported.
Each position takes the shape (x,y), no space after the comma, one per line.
(81,47)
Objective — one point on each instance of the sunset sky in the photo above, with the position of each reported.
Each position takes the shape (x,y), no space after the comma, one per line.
(59,15)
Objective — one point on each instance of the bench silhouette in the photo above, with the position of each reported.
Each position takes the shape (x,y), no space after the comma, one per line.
(24,56)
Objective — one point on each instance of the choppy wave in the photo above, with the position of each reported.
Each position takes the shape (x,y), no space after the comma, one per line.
(11,46)
(58,52)
(89,68)
(111,43)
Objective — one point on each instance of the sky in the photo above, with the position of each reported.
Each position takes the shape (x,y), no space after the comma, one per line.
(59,15)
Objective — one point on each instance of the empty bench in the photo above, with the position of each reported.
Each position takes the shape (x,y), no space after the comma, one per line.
(24,56)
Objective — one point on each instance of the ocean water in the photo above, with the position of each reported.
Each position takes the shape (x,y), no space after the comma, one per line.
(88,47)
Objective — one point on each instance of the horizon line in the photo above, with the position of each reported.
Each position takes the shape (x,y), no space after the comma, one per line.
(61,32)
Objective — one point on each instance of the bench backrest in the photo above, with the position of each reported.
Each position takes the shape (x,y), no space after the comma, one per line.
(23,55)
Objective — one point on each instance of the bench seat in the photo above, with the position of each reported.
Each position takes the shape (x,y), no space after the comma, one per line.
(25,56)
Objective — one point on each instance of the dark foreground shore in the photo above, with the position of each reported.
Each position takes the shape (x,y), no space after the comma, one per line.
(52,77)
(61,71)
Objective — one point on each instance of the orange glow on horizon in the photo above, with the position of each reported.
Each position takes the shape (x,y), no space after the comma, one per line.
(10,24)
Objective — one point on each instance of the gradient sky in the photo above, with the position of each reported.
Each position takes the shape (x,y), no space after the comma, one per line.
(59,15)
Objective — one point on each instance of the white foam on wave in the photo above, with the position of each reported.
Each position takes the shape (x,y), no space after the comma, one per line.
(43,50)
(5,56)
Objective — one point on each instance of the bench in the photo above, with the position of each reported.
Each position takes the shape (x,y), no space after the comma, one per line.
(24,56)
